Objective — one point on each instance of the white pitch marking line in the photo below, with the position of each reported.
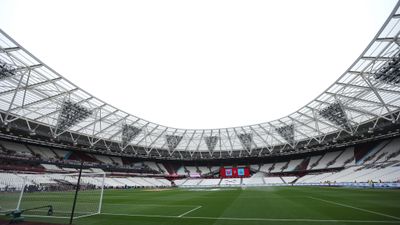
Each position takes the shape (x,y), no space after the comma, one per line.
(198,207)
(353,207)
(39,216)
(83,216)
(256,219)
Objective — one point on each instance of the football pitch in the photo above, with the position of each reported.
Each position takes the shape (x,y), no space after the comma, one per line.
(242,206)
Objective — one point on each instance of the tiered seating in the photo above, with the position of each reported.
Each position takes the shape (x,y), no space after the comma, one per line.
(314,178)
(192,169)
(104,159)
(97,170)
(266,167)
(253,181)
(209,182)
(117,160)
(165,182)
(204,170)
(181,171)
(214,169)
(327,158)
(10,180)
(347,157)
(60,153)
(110,182)
(98,182)
(289,179)
(385,173)
(152,165)
(273,180)
(293,164)
(162,167)
(192,182)
(230,181)
(19,149)
(43,152)
(180,182)
(373,153)
(278,167)
(51,167)
(314,161)
(255,167)
(392,147)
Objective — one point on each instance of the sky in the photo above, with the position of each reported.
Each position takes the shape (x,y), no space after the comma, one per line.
(198,64)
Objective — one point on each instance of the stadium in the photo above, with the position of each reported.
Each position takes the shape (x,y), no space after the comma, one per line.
(67,157)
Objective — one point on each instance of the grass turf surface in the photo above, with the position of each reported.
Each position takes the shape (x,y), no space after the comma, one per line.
(237,206)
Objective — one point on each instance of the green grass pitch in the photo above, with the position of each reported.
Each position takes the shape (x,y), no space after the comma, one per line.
(237,206)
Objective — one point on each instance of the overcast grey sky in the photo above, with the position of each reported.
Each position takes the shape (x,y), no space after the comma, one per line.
(198,64)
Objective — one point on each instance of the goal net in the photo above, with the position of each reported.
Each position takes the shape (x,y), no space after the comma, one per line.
(52,195)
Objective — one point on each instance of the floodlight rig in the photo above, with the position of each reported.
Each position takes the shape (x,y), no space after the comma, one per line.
(6,70)
(335,114)
(287,132)
(70,115)
(246,139)
(173,141)
(390,72)
(211,142)
(129,133)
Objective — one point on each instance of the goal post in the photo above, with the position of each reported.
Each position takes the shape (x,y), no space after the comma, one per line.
(36,195)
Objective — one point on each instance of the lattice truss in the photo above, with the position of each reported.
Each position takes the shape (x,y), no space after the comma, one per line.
(368,91)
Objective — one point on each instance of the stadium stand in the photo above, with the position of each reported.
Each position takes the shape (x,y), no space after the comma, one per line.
(326,159)
(346,158)
(191,170)
(230,182)
(273,180)
(266,168)
(293,164)
(278,167)
(253,181)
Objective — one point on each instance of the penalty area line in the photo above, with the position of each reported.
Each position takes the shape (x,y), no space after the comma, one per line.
(198,207)
(353,207)
(256,219)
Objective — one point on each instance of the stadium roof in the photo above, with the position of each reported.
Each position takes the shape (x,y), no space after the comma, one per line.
(367,92)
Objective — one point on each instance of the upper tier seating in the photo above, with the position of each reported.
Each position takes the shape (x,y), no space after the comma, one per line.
(293,165)
(278,167)
(347,157)
(327,158)
(19,149)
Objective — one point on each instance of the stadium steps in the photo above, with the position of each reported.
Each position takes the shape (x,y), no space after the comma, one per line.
(170,169)
(295,180)
(219,183)
(334,160)
(316,162)
(113,161)
(285,166)
(32,152)
(371,153)
(303,166)
(283,181)
(271,168)
(57,154)
(184,182)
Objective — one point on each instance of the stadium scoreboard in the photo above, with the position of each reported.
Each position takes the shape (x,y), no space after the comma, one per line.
(234,172)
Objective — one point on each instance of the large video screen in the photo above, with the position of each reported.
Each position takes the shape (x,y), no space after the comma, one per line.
(234,172)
